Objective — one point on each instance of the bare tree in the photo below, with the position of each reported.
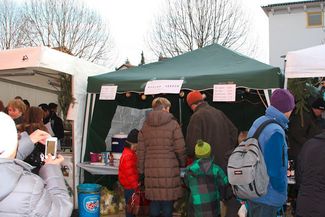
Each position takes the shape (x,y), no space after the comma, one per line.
(67,24)
(190,24)
(11,22)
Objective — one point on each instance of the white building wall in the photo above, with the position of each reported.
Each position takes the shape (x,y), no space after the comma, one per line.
(289,32)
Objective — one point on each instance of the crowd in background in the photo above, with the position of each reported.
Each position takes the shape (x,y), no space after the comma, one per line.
(156,153)
(31,184)
(160,150)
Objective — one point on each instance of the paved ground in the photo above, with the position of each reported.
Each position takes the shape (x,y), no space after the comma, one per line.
(121,214)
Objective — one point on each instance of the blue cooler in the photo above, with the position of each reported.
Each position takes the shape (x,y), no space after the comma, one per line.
(118,142)
(89,200)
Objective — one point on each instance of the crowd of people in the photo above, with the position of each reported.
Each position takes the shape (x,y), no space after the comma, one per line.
(159,150)
(29,186)
(154,155)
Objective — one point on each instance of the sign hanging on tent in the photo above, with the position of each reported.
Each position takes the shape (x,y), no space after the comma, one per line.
(224,92)
(163,86)
(108,92)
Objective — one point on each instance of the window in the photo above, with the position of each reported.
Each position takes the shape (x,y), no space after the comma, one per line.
(314,19)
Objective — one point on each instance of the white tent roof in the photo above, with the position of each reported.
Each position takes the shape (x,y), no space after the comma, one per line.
(309,62)
(40,66)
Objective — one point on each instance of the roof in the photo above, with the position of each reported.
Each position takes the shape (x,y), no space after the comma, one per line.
(200,69)
(125,66)
(41,66)
(291,3)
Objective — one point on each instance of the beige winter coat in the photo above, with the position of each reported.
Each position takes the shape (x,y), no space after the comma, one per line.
(161,152)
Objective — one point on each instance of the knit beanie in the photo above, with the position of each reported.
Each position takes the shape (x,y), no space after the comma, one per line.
(319,104)
(194,97)
(283,100)
(133,136)
(202,149)
(8,136)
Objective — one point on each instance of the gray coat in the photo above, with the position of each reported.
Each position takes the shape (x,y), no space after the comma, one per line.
(24,194)
(25,146)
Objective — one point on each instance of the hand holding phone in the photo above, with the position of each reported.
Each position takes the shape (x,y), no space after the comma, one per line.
(51,147)
(57,161)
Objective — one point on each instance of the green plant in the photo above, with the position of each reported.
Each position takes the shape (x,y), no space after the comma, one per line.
(65,97)
(303,89)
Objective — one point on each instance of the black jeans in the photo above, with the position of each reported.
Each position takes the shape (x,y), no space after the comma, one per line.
(261,210)
(165,206)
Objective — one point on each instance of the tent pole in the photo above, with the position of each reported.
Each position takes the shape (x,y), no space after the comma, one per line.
(285,83)
(92,106)
(88,117)
(180,110)
(88,112)
(85,128)
(267,96)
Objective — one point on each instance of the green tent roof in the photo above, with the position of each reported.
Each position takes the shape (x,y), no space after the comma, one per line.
(200,69)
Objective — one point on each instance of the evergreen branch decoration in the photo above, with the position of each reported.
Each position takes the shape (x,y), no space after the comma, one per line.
(65,94)
(299,88)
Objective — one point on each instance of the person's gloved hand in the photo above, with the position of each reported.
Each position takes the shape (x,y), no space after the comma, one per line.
(226,192)
(141,179)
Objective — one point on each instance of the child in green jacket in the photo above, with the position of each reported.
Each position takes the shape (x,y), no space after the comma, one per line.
(204,178)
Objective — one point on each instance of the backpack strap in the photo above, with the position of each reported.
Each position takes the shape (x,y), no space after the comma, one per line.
(262,126)
(260,129)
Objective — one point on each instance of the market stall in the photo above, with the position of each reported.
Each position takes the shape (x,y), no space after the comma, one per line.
(199,69)
(305,63)
(33,73)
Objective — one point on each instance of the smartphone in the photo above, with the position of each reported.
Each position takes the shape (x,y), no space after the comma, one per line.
(51,147)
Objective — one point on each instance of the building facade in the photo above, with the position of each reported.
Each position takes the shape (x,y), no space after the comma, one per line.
(294,26)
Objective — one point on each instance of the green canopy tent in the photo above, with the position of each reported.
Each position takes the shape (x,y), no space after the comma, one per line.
(200,70)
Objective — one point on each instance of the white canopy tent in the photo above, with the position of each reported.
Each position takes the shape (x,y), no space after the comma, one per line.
(32,73)
(309,62)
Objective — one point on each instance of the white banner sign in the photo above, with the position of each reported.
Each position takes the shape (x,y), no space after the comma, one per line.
(108,92)
(224,92)
(163,86)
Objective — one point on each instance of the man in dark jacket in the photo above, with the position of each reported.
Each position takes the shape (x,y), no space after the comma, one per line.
(310,177)
(56,121)
(214,127)
(304,128)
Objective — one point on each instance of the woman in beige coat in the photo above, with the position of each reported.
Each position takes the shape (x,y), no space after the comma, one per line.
(161,153)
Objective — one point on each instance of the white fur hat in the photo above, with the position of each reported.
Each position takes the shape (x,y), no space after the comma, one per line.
(8,136)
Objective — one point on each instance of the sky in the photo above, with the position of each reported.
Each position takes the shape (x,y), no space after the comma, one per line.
(130,21)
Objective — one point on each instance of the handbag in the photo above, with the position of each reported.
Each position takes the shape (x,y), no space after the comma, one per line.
(138,204)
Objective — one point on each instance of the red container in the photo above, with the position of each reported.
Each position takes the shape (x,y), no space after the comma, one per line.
(95,157)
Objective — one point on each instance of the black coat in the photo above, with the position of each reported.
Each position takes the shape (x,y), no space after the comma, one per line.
(57,125)
(299,133)
(310,176)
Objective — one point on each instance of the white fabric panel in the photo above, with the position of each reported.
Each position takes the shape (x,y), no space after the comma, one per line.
(309,62)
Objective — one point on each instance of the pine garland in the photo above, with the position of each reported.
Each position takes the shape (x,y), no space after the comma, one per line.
(302,89)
